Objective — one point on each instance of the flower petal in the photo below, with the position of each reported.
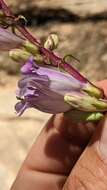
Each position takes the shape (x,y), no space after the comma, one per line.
(9,41)
(44,89)
(20,107)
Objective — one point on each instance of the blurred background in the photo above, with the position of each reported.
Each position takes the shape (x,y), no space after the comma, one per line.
(82,29)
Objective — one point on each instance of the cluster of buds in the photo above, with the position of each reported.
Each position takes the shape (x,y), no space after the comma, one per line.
(43,86)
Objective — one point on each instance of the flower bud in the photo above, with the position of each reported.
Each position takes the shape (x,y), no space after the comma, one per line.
(92,90)
(80,116)
(51,42)
(94,116)
(85,102)
(19,55)
(31,48)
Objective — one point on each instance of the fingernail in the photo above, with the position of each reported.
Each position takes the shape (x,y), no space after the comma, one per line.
(103,139)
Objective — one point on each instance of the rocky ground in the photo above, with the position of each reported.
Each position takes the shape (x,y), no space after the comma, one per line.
(16,133)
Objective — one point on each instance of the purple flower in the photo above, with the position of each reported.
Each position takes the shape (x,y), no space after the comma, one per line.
(9,41)
(47,89)
(44,89)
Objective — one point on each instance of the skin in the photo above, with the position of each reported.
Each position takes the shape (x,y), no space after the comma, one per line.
(67,156)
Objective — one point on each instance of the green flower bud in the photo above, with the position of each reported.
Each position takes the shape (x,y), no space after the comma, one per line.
(85,103)
(51,42)
(94,116)
(80,116)
(92,90)
(19,55)
(31,48)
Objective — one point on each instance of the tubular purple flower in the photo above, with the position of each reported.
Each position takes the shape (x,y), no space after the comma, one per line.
(41,87)
(9,41)
(44,89)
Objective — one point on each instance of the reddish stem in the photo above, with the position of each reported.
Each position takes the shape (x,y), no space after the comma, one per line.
(55,60)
